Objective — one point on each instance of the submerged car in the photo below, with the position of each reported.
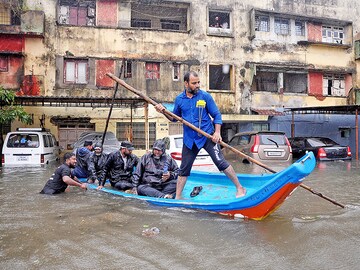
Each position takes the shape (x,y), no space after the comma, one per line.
(174,144)
(324,149)
(263,146)
(111,143)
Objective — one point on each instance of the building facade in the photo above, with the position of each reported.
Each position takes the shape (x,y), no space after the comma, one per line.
(256,58)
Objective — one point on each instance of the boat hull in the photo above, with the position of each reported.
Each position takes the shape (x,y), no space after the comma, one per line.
(265,193)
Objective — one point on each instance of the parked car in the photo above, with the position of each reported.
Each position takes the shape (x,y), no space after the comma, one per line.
(111,143)
(263,146)
(30,146)
(323,148)
(174,144)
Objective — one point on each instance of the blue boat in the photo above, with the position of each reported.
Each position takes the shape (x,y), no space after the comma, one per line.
(265,193)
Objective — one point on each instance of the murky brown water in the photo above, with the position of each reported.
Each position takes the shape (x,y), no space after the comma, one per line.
(94,230)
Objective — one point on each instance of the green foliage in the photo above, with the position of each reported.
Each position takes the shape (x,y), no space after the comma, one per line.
(10,112)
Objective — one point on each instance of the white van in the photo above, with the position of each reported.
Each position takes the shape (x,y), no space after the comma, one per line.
(30,146)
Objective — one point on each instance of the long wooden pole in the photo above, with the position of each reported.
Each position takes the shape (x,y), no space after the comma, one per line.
(167,112)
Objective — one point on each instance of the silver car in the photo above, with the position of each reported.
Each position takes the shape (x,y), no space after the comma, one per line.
(263,146)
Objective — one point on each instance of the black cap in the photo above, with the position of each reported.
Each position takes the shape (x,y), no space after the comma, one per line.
(98,146)
(128,145)
(87,143)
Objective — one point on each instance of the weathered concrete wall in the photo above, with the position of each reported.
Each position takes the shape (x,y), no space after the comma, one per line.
(194,49)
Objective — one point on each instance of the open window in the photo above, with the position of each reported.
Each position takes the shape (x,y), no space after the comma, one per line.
(277,81)
(127,69)
(220,77)
(176,71)
(333,85)
(219,22)
(164,16)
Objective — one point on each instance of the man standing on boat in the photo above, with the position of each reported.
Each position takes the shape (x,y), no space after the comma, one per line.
(156,174)
(120,167)
(62,177)
(198,107)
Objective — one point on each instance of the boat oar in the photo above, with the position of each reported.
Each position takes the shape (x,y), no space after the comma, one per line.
(225,145)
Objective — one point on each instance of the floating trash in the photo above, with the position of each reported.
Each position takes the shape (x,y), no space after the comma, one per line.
(151,232)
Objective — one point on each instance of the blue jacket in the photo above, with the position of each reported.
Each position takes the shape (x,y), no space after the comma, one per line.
(190,110)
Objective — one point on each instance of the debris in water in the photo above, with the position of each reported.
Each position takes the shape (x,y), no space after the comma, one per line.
(151,232)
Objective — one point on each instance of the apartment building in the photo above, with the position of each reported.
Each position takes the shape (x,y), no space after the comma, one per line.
(254,57)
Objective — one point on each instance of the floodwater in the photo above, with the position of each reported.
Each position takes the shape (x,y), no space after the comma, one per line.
(95,230)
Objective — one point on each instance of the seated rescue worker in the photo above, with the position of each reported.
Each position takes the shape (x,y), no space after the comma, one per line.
(62,177)
(120,167)
(84,168)
(98,159)
(156,174)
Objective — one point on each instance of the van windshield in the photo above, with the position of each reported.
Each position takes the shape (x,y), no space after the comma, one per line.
(27,140)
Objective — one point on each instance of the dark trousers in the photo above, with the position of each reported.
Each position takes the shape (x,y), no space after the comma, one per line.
(189,155)
(158,191)
(122,184)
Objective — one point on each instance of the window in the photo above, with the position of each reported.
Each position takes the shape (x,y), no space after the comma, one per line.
(152,71)
(5,15)
(160,16)
(299,28)
(46,141)
(74,12)
(219,19)
(332,34)
(4,63)
(295,82)
(75,71)
(333,85)
(170,24)
(345,132)
(136,133)
(176,72)
(262,23)
(282,26)
(266,81)
(219,77)
(141,23)
(127,69)
(261,126)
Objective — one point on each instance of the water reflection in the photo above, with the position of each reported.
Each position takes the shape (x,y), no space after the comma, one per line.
(94,230)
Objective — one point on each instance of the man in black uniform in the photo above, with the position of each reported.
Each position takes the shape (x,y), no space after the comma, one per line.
(120,166)
(98,159)
(62,177)
(156,174)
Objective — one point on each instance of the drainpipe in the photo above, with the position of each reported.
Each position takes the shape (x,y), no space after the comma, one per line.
(356,134)
(293,124)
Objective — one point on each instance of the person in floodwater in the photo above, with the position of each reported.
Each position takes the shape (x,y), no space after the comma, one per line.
(62,177)
(199,108)
(156,174)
